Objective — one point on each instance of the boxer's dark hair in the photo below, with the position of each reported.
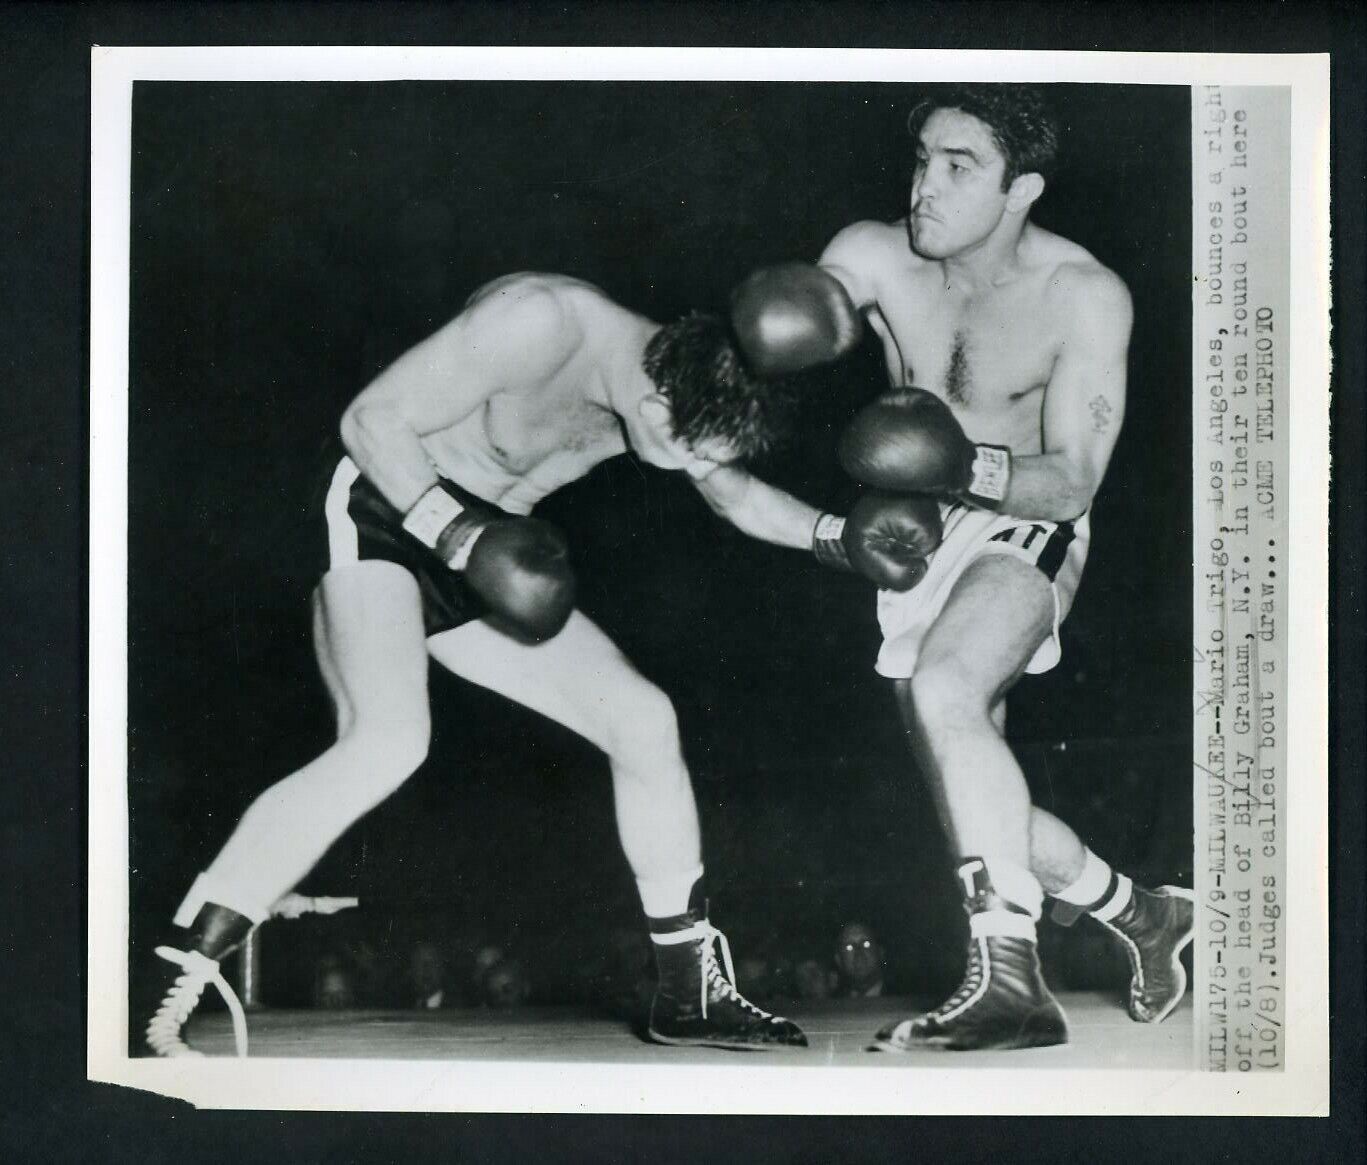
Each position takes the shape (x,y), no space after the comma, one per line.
(1024,127)
(697,367)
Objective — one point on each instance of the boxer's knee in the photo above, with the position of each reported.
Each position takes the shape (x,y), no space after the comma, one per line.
(643,730)
(946,696)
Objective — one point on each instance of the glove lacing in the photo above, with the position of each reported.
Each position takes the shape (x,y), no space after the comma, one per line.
(163,1029)
(722,982)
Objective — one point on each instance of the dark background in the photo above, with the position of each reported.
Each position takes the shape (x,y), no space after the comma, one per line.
(290,240)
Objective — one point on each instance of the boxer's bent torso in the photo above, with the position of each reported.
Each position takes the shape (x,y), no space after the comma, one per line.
(543,427)
(543,430)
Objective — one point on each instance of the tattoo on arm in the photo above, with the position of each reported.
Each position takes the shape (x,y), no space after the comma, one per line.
(1101,414)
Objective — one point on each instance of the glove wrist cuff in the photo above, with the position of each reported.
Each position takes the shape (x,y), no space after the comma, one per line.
(828,544)
(989,476)
(428,517)
(444,526)
(458,541)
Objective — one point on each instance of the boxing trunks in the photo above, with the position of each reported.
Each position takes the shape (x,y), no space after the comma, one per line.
(1057,549)
(362,526)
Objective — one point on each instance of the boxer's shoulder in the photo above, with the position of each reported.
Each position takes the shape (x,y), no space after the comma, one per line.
(872,257)
(1086,292)
(542,310)
(534,291)
(867,245)
(1072,283)
(1072,275)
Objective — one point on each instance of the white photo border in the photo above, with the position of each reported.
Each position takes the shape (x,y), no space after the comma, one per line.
(1301,1089)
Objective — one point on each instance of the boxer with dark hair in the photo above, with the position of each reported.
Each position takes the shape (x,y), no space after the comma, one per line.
(712,393)
(1018,340)
(434,554)
(1024,129)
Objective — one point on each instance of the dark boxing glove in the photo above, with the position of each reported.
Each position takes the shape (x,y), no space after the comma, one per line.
(908,441)
(793,316)
(886,539)
(519,566)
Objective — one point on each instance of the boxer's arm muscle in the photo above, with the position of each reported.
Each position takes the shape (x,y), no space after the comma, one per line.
(1084,404)
(757,508)
(516,338)
(853,257)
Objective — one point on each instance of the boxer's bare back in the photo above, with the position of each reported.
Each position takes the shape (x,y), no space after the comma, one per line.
(511,399)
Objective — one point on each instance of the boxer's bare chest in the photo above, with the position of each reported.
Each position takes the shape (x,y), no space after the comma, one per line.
(517,448)
(985,353)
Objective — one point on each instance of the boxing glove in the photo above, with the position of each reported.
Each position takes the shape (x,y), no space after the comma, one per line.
(909,441)
(886,539)
(518,566)
(793,316)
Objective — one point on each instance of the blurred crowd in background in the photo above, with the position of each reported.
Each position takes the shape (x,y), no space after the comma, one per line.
(467,967)
(476,971)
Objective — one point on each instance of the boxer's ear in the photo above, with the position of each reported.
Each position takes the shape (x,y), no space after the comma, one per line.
(1024,190)
(655,410)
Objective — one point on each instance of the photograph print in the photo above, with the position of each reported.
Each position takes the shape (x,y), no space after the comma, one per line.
(638,572)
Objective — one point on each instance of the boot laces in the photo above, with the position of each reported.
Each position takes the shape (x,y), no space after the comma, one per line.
(163,1029)
(1129,943)
(721,981)
(970,987)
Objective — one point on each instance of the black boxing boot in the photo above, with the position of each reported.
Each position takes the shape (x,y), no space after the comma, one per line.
(1003,1002)
(1154,927)
(696,1003)
(215,933)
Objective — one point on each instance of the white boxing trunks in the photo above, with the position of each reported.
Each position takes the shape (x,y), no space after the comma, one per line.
(1058,549)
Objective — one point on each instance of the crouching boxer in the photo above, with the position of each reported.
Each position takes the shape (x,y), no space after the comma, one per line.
(1019,339)
(434,554)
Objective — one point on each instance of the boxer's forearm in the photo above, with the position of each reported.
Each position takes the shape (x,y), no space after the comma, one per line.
(759,509)
(1050,486)
(389,453)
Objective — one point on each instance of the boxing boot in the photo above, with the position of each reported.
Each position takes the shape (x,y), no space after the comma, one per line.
(1153,927)
(696,1002)
(1002,1002)
(215,933)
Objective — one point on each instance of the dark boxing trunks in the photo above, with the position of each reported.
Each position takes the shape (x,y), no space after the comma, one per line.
(362,526)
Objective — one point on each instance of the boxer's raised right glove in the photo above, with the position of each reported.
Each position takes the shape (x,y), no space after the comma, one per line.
(792,316)
(519,566)
(886,539)
(908,441)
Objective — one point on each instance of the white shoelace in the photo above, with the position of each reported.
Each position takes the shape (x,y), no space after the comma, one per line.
(724,980)
(163,1030)
(970,988)
(712,973)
